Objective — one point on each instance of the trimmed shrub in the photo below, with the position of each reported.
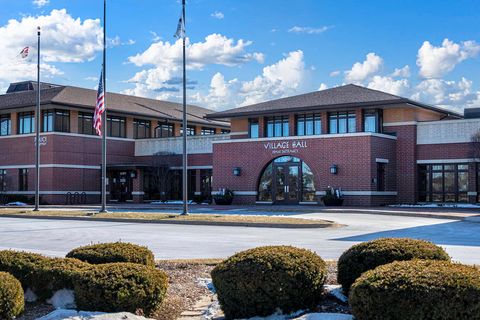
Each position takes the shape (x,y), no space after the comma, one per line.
(11,296)
(113,252)
(417,290)
(117,287)
(41,274)
(259,281)
(369,255)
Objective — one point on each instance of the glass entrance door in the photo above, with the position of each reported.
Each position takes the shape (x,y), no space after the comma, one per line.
(121,186)
(287,183)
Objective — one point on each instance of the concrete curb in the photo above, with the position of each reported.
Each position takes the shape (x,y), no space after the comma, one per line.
(195,223)
(410,214)
(475,219)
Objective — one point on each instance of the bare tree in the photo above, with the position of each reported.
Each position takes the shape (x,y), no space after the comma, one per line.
(475,145)
(161,175)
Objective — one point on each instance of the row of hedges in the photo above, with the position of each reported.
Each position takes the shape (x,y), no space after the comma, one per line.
(388,279)
(131,285)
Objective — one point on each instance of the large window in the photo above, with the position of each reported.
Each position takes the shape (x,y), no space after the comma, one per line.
(3,180)
(116,127)
(372,121)
(56,120)
(308,125)
(164,130)
(342,122)
(141,129)
(23,179)
(190,130)
(443,182)
(5,125)
(85,123)
(26,122)
(277,127)
(207,131)
(253,128)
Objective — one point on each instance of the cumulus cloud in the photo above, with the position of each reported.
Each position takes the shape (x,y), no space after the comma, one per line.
(400,87)
(362,70)
(64,39)
(401,72)
(217,15)
(40,3)
(435,62)
(323,86)
(335,73)
(309,30)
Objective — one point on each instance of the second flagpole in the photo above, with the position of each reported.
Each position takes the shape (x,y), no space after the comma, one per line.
(185,161)
(104,117)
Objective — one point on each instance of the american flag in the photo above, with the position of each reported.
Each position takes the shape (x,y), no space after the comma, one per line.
(99,107)
(24,52)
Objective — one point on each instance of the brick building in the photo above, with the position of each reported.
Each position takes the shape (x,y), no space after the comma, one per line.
(376,147)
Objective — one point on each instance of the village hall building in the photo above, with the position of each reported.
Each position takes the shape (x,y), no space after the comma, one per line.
(377,148)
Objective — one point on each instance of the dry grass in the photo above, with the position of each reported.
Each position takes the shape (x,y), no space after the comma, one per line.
(196,218)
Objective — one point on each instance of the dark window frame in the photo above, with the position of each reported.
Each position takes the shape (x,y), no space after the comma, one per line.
(163,127)
(22,179)
(205,131)
(277,122)
(190,130)
(377,114)
(22,116)
(85,123)
(55,120)
(3,180)
(225,131)
(254,128)
(338,116)
(302,122)
(122,126)
(5,120)
(425,188)
(142,129)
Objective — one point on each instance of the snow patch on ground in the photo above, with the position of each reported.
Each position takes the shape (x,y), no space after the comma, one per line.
(16,204)
(63,299)
(207,283)
(336,291)
(437,205)
(30,296)
(171,202)
(62,314)
(325,316)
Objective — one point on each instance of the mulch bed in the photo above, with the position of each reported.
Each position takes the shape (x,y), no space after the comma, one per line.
(185,290)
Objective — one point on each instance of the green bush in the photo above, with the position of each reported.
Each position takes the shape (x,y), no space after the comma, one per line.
(259,281)
(117,287)
(11,296)
(113,252)
(41,274)
(417,290)
(369,255)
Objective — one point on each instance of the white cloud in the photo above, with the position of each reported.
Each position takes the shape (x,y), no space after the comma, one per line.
(218,15)
(401,72)
(40,3)
(309,30)
(399,87)
(155,36)
(435,62)
(285,77)
(362,70)
(335,73)
(323,86)
(64,39)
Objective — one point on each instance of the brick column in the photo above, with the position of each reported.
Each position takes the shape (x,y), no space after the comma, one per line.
(359,120)
(137,192)
(14,121)
(176,129)
(261,127)
(73,121)
(153,125)
(291,125)
(406,155)
(198,130)
(324,120)
(129,124)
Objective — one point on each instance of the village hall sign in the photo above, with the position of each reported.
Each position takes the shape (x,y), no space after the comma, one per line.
(285,147)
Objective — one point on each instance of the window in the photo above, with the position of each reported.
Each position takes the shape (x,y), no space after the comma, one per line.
(47,121)
(3,180)
(443,182)
(277,127)
(308,125)
(342,122)
(207,131)
(116,127)
(164,130)
(85,123)
(372,121)
(381,177)
(253,128)
(225,131)
(62,120)
(5,125)
(23,179)
(190,130)
(26,122)
(141,129)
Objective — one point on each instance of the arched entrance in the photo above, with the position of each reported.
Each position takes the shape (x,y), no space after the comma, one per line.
(286,180)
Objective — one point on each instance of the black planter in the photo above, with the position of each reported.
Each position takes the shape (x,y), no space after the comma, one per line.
(223,201)
(332,202)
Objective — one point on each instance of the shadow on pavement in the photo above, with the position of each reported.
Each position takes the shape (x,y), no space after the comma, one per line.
(458,233)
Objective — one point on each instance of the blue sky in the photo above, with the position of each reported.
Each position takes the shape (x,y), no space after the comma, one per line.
(243,52)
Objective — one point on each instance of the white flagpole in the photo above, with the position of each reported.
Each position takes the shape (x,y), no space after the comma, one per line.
(37,130)
(104,116)
(185,160)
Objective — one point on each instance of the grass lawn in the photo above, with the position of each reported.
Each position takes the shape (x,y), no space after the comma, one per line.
(208,219)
